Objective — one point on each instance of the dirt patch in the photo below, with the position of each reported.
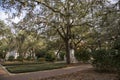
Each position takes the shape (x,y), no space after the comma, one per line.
(85,75)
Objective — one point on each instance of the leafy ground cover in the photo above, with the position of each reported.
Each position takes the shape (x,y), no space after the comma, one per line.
(33,67)
(85,75)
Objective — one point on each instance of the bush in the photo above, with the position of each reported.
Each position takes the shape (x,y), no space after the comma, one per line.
(116,44)
(20,58)
(82,55)
(41,59)
(62,54)
(40,53)
(11,58)
(117,63)
(105,60)
(28,58)
(108,60)
(117,57)
(50,56)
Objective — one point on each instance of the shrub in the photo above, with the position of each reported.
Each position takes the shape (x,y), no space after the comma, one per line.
(117,57)
(108,60)
(50,56)
(105,60)
(82,55)
(62,54)
(117,63)
(28,58)
(41,59)
(40,53)
(11,58)
(116,44)
(20,58)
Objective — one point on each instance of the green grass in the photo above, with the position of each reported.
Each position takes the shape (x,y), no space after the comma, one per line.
(34,67)
(20,63)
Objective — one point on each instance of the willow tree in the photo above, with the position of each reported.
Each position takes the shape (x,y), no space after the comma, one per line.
(59,15)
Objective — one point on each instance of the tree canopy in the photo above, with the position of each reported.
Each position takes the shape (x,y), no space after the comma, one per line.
(72,21)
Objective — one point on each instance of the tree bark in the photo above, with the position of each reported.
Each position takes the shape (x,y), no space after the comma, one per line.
(67,51)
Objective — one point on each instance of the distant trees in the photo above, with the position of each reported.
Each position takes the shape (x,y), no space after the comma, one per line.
(24,42)
(28,43)
(5,32)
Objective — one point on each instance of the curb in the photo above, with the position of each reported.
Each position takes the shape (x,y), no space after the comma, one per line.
(5,70)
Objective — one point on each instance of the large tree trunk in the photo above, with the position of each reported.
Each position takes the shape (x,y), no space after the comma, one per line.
(72,56)
(67,51)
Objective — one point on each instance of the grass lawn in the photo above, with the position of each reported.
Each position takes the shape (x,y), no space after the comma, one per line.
(15,63)
(34,67)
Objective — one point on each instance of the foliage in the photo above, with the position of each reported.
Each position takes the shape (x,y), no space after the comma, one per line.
(62,55)
(82,55)
(117,44)
(20,58)
(4,29)
(11,58)
(117,57)
(59,18)
(41,59)
(106,60)
(99,61)
(3,51)
(28,41)
(68,20)
(50,56)
(5,34)
(29,58)
(40,53)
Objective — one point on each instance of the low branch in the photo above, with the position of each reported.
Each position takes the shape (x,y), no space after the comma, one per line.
(59,49)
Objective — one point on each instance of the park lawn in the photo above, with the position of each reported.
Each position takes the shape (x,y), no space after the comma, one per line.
(34,67)
(15,63)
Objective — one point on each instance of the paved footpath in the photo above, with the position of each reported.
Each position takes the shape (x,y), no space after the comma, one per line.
(42,74)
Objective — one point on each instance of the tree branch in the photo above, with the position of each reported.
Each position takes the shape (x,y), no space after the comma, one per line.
(63,30)
(60,34)
(85,23)
(56,11)
(59,49)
